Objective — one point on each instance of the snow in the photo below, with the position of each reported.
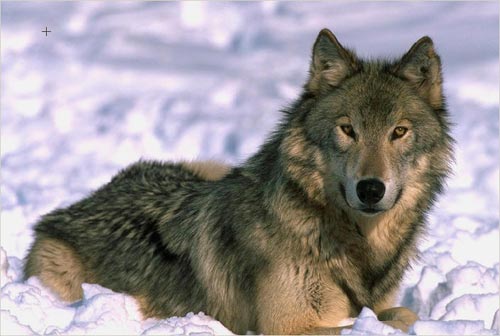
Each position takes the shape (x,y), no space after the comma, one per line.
(367,324)
(118,81)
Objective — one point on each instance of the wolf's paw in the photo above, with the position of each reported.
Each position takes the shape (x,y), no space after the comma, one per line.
(402,314)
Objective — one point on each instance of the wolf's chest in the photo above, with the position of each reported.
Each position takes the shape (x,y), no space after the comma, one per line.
(362,274)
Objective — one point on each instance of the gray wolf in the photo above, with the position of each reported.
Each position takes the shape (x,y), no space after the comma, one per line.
(323,220)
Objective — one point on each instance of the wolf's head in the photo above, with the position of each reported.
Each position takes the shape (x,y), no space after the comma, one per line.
(369,134)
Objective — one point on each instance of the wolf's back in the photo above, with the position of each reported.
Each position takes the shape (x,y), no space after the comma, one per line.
(116,236)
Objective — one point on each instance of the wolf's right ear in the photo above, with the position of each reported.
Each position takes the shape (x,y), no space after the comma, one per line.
(331,63)
(421,67)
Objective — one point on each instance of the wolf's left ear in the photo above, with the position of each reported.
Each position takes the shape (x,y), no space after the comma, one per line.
(421,66)
(331,63)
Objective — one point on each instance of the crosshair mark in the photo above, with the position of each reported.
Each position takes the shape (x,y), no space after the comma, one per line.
(46,31)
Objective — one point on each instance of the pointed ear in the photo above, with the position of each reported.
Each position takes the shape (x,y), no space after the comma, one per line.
(331,63)
(421,67)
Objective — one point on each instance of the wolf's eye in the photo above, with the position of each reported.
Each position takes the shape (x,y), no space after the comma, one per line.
(348,130)
(399,132)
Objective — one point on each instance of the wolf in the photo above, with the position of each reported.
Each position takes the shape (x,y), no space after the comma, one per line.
(322,220)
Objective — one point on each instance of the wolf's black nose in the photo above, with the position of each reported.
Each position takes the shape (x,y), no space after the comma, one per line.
(370,191)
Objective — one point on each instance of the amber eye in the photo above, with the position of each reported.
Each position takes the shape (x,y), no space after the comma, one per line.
(399,132)
(347,129)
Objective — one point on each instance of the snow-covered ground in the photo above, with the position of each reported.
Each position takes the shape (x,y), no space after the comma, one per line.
(114,82)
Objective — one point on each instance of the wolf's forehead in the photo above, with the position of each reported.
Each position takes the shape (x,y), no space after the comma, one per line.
(380,86)
(376,98)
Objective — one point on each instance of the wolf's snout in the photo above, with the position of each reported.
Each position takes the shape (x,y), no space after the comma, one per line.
(370,191)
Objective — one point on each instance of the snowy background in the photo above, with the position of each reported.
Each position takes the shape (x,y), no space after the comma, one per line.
(115,82)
